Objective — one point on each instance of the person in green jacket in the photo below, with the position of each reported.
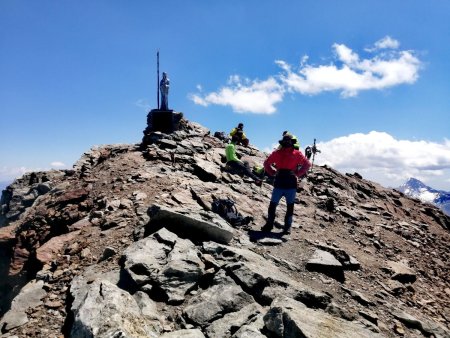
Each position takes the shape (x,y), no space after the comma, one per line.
(234,163)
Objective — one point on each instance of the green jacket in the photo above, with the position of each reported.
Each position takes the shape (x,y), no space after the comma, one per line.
(230,152)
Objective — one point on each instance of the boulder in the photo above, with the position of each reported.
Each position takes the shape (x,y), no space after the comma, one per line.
(101,309)
(29,297)
(289,318)
(204,226)
(260,277)
(233,321)
(218,300)
(166,261)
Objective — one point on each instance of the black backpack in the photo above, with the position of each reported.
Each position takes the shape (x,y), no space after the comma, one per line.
(227,210)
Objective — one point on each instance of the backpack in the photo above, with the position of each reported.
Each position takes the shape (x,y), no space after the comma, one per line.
(221,136)
(226,209)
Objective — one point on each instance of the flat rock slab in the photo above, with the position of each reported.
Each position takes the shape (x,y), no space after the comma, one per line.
(326,263)
(289,318)
(29,297)
(205,226)
(48,251)
(401,272)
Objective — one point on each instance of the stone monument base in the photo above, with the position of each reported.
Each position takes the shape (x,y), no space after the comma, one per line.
(164,121)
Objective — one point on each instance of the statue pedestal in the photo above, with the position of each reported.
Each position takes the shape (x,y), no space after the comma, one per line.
(164,121)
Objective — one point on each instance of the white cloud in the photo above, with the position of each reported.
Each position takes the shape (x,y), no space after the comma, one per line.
(255,96)
(380,157)
(57,164)
(349,74)
(353,74)
(385,43)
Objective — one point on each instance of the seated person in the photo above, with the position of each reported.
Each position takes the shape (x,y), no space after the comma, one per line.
(243,139)
(235,164)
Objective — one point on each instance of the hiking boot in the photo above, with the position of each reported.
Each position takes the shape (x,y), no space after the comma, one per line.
(258,183)
(287,231)
(267,227)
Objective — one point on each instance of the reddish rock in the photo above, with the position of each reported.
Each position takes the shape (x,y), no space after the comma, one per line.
(47,252)
(7,235)
(73,196)
(20,257)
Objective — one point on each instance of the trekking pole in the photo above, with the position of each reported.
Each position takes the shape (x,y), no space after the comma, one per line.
(313,151)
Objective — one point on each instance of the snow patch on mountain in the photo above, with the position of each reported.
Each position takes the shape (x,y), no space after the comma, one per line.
(417,189)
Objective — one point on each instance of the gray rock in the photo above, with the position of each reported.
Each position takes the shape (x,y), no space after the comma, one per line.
(107,253)
(401,272)
(166,261)
(232,322)
(426,327)
(261,277)
(251,330)
(101,309)
(359,297)
(289,318)
(29,297)
(325,262)
(201,226)
(222,298)
(206,171)
(190,333)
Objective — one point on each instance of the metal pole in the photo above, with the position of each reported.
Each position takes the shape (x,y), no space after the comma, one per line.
(157,81)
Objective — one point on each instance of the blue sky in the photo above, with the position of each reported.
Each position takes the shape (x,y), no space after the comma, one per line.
(367,79)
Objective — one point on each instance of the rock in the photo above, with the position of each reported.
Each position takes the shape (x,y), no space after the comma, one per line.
(84,222)
(401,272)
(29,297)
(325,262)
(261,277)
(7,235)
(370,316)
(426,327)
(201,226)
(47,252)
(289,318)
(232,322)
(222,298)
(206,171)
(359,297)
(190,333)
(166,261)
(101,309)
(107,253)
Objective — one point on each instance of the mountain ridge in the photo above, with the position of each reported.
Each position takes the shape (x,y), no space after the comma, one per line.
(132,225)
(417,189)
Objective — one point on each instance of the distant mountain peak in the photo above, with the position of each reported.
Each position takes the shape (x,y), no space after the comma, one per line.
(417,189)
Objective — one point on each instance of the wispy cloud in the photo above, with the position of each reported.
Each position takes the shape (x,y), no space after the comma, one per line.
(348,74)
(142,103)
(380,157)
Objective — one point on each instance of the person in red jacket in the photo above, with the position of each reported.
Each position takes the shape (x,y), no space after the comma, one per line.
(286,164)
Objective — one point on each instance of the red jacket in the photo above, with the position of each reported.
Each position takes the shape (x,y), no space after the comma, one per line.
(287,159)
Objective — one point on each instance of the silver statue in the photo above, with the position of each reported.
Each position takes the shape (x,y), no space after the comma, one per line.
(164,88)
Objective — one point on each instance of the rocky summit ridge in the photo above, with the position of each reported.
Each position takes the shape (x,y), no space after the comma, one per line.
(126,245)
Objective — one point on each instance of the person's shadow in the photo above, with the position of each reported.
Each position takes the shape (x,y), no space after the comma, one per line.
(257,235)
